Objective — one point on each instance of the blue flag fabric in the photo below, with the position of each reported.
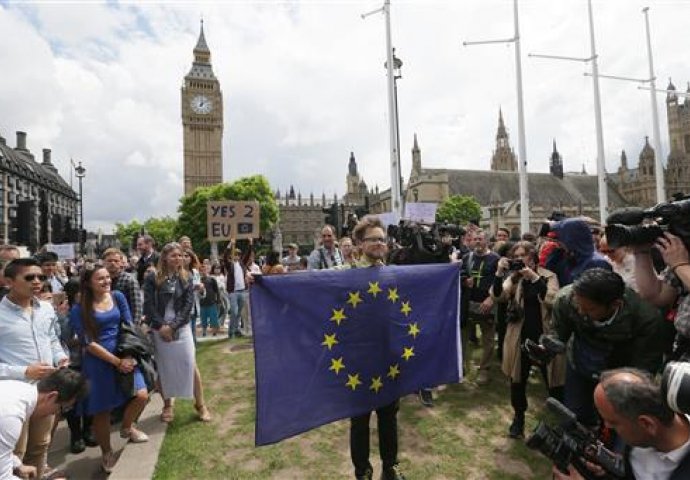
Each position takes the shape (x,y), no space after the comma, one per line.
(336,344)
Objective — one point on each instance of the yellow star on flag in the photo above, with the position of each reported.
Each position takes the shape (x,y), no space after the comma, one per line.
(414,330)
(337,365)
(354,299)
(376,384)
(393,295)
(393,371)
(407,353)
(374,289)
(353,381)
(338,315)
(405,309)
(329,340)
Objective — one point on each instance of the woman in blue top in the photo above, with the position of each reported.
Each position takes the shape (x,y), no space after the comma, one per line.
(96,320)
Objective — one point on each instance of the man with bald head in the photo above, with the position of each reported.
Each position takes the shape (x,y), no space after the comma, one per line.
(328,254)
(658,439)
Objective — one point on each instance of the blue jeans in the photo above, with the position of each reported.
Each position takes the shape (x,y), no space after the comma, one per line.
(209,315)
(237,302)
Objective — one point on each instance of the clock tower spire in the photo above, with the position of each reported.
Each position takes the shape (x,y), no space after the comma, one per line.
(202,121)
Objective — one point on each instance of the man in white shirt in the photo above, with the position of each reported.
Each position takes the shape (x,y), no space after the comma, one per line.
(630,403)
(21,401)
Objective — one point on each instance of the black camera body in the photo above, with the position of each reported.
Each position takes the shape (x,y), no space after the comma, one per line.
(624,226)
(544,351)
(515,265)
(569,442)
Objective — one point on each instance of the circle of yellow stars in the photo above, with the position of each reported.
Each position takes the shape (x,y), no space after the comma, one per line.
(354,380)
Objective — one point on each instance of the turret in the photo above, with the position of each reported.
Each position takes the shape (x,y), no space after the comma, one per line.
(556,162)
(416,157)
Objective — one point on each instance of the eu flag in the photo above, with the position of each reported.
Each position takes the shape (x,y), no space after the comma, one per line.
(335,344)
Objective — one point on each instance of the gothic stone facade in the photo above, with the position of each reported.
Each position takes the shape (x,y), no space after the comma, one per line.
(37,205)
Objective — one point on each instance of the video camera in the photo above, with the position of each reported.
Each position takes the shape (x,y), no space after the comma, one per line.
(569,442)
(544,351)
(675,386)
(624,226)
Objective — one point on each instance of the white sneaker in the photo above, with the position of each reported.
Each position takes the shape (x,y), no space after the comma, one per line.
(134,435)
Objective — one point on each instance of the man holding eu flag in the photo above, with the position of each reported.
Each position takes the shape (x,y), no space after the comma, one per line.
(342,343)
(370,237)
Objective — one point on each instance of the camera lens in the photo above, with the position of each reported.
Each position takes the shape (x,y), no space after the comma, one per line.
(675,386)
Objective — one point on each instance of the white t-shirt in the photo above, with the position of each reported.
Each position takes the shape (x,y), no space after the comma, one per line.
(17,403)
(652,464)
(239,277)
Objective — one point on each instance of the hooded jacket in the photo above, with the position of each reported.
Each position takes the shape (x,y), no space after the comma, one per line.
(574,235)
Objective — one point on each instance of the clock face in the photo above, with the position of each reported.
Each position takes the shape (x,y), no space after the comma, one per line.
(201,105)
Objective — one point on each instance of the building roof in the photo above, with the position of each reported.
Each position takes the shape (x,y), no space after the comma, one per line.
(23,165)
(544,189)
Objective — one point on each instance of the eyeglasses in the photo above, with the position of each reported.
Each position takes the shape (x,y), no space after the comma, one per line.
(33,276)
(375,239)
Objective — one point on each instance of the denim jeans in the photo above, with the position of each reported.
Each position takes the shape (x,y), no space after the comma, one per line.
(237,302)
(579,396)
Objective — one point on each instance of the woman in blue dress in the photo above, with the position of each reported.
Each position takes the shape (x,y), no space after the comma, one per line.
(96,319)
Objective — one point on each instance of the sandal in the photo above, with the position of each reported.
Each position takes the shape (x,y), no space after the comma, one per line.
(203,413)
(167,415)
(108,461)
(134,435)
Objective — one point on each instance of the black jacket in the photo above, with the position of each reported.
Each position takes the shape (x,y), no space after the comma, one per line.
(132,342)
(156,298)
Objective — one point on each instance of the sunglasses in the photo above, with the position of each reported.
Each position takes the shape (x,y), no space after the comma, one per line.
(33,276)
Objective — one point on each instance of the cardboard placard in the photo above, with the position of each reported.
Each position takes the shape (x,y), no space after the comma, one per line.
(421,212)
(232,219)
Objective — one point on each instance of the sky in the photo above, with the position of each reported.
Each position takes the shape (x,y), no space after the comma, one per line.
(304,85)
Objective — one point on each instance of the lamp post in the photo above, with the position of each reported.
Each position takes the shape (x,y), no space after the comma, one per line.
(601,162)
(80,172)
(397,75)
(522,147)
(396,206)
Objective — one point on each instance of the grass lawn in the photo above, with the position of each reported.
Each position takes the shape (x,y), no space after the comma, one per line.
(462,437)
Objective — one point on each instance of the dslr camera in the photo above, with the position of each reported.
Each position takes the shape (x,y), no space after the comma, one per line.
(568,442)
(624,226)
(544,351)
(515,265)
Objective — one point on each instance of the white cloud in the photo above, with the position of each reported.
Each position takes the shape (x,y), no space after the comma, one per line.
(304,85)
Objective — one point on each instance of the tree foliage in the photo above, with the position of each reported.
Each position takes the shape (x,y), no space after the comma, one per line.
(192,209)
(458,209)
(161,229)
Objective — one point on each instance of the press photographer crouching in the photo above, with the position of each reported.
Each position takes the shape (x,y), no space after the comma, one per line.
(657,438)
(605,325)
(670,236)
(529,291)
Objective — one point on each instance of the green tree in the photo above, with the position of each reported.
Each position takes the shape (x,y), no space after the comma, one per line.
(458,209)
(192,209)
(161,229)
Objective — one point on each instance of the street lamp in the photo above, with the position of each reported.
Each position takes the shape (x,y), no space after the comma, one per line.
(397,75)
(80,172)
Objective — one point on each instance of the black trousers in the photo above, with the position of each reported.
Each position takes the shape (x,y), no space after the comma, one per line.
(518,391)
(388,438)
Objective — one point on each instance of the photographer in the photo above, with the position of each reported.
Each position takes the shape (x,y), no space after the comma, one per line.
(606,325)
(529,291)
(671,290)
(658,439)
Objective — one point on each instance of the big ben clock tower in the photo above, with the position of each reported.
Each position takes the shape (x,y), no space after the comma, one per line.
(202,122)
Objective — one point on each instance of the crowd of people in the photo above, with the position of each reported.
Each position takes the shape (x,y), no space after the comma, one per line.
(602,322)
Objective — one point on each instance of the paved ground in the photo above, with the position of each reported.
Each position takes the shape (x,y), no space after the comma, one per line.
(137,462)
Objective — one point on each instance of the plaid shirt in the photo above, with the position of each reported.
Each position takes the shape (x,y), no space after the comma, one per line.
(128,285)
(682,319)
